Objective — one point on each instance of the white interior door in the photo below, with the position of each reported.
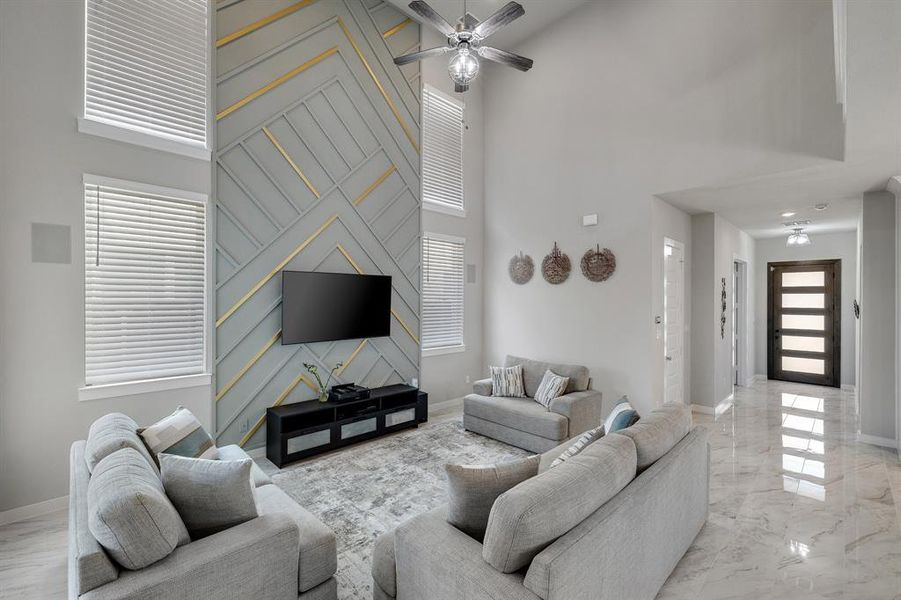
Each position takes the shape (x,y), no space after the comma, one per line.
(674,321)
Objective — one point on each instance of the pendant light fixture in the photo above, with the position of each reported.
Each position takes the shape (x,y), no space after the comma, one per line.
(798,238)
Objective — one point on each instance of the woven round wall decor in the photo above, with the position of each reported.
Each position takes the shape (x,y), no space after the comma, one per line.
(598,265)
(556,266)
(521,268)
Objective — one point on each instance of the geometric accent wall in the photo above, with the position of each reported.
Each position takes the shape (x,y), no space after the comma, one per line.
(317,169)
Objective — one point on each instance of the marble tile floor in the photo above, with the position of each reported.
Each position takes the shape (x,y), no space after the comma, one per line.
(798,509)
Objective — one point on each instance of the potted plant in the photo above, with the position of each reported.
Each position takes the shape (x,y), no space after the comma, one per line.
(323,389)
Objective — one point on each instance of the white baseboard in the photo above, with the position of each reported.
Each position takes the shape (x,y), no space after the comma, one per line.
(33,510)
(760,377)
(750,381)
(704,410)
(875,440)
(848,387)
(724,405)
(257,452)
(438,406)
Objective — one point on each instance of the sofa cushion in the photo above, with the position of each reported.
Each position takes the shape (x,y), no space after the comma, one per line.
(110,433)
(472,490)
(507,381)
(529,517)
(621,417)
(522,414)
(384,564)
(318,557)
(179,433)
(236,452)
(533,371)
(551,386)
(209,495)
(656,434)
(129,513)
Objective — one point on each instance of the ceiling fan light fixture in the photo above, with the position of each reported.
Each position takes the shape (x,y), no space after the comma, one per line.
(463,66)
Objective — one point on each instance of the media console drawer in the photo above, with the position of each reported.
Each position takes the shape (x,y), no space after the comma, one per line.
(303,429)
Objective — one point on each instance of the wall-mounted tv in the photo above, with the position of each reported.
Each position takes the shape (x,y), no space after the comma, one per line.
(322,307)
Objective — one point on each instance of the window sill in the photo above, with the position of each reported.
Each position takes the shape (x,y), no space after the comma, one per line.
(444,350)
(444,210)
(128,388)
(129,136)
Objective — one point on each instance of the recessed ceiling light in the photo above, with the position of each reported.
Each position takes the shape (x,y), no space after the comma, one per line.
(788,214)
(822,206)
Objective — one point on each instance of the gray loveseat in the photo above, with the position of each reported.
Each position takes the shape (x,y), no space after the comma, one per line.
(524,423)
(624,543)
(284,553)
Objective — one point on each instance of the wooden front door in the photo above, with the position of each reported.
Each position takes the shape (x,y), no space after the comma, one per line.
(804,321)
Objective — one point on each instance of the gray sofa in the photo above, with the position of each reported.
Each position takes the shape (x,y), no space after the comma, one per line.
(624,544)
(524,423)
(284,553)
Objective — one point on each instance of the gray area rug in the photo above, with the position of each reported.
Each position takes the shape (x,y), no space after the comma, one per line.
(365,490)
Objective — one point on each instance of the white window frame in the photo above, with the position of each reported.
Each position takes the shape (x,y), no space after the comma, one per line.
(96,126)
(456,348)
(434,206)
(127,388)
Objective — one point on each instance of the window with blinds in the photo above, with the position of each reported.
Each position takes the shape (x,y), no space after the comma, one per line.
(442,152)
(145,274)
(442,293)
(146,67)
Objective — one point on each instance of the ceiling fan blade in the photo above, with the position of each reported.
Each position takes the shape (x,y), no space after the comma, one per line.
(469,21)
(413,57)
(460,88)
(506,58)
(429,14)
(509,13)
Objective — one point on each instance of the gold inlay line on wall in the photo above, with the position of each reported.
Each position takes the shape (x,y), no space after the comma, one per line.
(397,28)
(378,84)
(291,162)
(287,391)
(274,271)
(249,364)
(263,22)
(275,83)
(374,185)
(394,313)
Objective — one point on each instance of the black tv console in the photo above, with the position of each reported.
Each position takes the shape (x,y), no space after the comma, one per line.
(295,431)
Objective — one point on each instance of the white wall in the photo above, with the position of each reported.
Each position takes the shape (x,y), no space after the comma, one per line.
(717,244)
(876,385)
(448,376)
(41,326)
(841,245)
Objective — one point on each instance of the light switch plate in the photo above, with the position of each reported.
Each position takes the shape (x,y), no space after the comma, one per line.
(589,220)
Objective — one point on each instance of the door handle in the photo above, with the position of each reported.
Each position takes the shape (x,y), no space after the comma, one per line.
(669,358)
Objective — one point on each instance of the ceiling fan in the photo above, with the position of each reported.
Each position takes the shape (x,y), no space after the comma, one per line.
(465,42)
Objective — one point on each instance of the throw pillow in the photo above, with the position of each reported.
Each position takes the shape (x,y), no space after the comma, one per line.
(507,382)
(110,433)
(472,491)
(209,495)
(592,435)
(129,513)
(551,386)
(180,433)
(622,416)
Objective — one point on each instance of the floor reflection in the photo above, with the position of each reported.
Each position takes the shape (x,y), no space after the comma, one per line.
(803,448)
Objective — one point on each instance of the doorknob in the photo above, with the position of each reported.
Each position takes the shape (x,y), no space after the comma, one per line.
(669,358)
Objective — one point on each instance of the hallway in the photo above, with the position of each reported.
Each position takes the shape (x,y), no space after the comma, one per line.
(798,508)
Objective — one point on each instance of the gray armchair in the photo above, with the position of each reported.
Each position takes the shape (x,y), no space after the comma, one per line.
(524,423)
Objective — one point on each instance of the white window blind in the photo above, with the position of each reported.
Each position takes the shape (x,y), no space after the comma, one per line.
(442,292)
(145,267)
(146,67)
(442,151)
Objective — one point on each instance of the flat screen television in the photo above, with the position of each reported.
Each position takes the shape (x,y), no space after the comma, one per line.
(322,307)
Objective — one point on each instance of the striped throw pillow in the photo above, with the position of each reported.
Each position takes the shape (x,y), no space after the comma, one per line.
(507,382)
(583,441)
(551,386)
(181,434)
(622,416)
